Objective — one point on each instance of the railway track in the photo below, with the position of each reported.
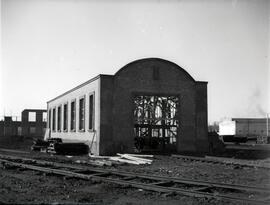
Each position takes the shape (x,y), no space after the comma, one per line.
(194,188)
(220,161)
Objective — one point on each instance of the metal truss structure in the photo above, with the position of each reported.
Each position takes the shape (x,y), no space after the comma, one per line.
(156,121)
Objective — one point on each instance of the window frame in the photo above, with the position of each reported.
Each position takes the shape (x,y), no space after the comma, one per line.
(91,115)
(59,118)
(73,120)
(65,117)
(44,119)
(30,116)
(82,114)
(53,119)
(49,118)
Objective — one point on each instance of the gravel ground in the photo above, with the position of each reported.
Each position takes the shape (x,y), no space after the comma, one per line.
(170,166)
(29,187)
(24,186)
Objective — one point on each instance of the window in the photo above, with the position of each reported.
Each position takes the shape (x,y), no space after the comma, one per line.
(32,116)
(49,121)
(81,113)
(44,116)
(73,116)
(91,112)
(53,120)
(59,113)
(65,121)
(19,131)
(32,130)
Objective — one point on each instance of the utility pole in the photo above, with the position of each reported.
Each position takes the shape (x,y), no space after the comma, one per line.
(267,125)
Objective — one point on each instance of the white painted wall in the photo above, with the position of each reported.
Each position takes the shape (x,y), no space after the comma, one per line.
(90,137)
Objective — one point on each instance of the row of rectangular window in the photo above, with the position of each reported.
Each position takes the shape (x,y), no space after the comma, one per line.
(72,115)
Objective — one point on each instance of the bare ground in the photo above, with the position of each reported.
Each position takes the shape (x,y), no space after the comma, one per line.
(30,187)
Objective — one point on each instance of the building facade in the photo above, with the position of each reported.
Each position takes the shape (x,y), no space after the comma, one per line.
(149,104)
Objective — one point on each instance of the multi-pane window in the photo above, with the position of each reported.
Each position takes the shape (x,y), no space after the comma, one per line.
(32,116)
(81,113)
(53,120)
(73,116)
(65,120)
(59,115)
(91,112)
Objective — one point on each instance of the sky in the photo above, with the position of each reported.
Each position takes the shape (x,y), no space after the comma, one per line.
(50,46)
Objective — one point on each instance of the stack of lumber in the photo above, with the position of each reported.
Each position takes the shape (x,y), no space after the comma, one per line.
(132,158)
(114,160)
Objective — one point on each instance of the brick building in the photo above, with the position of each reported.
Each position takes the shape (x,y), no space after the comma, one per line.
(33,124)
(151,102)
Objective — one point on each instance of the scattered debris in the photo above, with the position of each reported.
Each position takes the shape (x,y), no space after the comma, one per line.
(68,156)
(39,145)
(95,162)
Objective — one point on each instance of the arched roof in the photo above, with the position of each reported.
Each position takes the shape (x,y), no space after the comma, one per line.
(175,66)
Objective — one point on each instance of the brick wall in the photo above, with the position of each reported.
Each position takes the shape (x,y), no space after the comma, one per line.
(152,77)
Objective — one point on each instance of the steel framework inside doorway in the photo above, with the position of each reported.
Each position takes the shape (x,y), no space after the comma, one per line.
(156,121)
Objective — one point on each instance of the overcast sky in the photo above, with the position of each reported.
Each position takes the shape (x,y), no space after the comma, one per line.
(48,47)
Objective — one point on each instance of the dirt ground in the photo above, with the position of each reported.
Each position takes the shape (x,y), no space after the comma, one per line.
(19,186)
(28,187)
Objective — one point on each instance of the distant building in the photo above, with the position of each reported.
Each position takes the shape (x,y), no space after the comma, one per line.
(33,124)
(8,127)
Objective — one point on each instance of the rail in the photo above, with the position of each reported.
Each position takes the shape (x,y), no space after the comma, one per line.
(193,188)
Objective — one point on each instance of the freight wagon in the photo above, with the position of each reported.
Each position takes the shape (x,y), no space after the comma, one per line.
(241,130)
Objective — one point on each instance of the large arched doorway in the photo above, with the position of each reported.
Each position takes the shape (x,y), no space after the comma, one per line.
(156,122)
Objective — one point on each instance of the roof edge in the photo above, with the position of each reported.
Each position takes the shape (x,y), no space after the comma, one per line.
(79,86)
(206,82)
(159,59)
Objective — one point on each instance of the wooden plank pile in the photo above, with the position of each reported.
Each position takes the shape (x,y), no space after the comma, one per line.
(135,159)
(132,158)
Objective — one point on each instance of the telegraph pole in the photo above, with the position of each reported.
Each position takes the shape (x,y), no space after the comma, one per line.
(267,126)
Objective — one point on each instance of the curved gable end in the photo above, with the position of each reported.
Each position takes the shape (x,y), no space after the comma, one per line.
(156,64)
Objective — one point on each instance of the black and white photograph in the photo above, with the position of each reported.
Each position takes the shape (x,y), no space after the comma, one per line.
(135,102)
